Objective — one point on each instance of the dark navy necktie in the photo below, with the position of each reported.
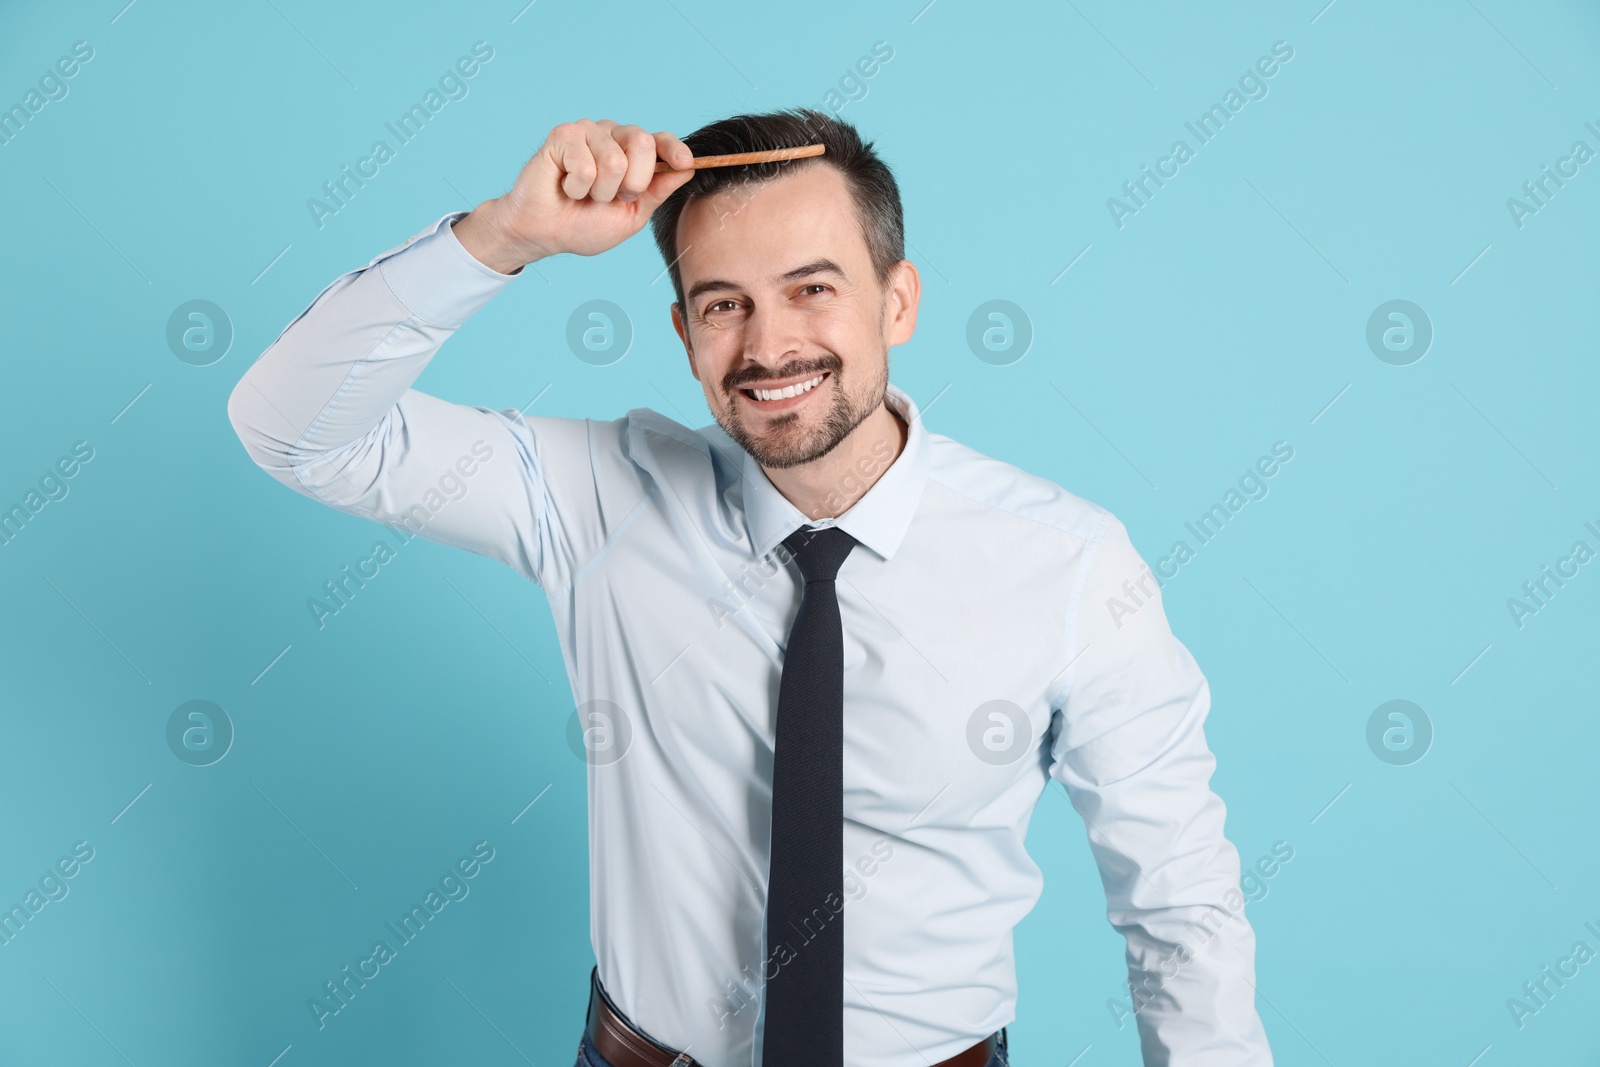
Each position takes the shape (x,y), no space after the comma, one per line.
(804,1024)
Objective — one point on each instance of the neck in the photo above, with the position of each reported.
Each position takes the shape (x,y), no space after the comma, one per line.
(826,487)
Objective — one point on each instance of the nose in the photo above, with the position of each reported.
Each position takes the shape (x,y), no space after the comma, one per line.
(771,336)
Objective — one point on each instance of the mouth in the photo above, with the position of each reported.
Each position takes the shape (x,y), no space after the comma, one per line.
(784,395)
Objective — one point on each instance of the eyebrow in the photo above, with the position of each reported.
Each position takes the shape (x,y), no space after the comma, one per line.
(805,270)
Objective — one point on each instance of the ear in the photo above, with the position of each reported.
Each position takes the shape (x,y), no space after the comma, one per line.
(904,293)
(683,335)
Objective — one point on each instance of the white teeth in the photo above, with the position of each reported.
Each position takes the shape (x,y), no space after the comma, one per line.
(788,391)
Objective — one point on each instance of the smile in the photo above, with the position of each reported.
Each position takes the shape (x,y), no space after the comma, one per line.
(775,397)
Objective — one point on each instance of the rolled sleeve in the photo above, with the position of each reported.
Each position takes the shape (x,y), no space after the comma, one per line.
(1131,752)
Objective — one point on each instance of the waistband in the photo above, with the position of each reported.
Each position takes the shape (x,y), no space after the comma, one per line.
(624,1045)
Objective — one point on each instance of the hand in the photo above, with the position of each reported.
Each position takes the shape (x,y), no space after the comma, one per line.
(588,188)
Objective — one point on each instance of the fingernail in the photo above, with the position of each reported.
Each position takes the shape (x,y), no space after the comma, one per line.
(628,196)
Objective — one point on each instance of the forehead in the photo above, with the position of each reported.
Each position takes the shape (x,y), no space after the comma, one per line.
(745,232)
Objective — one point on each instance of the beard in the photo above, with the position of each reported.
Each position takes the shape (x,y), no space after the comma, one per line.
(792,438)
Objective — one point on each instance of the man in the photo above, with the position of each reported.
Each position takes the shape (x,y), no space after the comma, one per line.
(827,660)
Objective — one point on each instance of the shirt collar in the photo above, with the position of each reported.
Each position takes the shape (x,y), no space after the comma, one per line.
(878,519)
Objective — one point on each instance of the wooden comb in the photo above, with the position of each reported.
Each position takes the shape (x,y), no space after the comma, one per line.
(739,159)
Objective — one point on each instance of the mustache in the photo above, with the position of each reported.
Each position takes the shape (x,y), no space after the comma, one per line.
(756,375)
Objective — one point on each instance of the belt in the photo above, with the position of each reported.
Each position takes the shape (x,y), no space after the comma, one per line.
(623,1045)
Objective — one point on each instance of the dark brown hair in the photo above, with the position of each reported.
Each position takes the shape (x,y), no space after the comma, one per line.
(877,196)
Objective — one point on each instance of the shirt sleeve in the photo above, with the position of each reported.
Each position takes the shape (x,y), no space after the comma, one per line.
(1132,754)
(328,410)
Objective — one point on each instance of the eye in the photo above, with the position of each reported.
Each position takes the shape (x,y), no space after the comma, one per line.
(814,285)
(720,304)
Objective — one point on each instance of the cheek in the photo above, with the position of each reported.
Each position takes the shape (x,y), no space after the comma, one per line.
(856,340)
(844,331)
(714,360)
(714,350)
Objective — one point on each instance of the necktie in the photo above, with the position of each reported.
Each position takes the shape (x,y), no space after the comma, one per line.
(805,999)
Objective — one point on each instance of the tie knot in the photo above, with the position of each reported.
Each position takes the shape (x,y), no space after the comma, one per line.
(819,553)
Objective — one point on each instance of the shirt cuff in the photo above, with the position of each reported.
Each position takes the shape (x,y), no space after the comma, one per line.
(438,279)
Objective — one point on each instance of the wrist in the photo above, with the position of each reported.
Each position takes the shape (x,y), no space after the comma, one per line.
(482,236)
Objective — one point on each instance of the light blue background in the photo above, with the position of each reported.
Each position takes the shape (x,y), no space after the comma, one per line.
(1226,315)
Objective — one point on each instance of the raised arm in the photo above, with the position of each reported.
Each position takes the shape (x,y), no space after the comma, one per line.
(328,408)
(1132,755)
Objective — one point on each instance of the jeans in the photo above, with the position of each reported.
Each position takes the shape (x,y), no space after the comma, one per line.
(588,1057)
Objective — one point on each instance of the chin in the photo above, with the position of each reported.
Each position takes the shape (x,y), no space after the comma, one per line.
(790,444)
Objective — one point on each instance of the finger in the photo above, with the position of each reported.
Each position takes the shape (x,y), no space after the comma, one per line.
(640,148)
(569,149)
(612,162)
(673,151)
(662,186)
(677,154)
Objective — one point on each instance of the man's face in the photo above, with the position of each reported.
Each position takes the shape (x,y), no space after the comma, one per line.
(779,291)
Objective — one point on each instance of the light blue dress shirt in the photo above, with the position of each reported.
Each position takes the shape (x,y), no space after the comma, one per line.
(981,661)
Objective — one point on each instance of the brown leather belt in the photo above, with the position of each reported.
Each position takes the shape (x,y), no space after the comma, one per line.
(623,1045)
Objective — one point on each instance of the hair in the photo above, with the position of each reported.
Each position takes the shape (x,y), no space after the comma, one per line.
(877,196)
